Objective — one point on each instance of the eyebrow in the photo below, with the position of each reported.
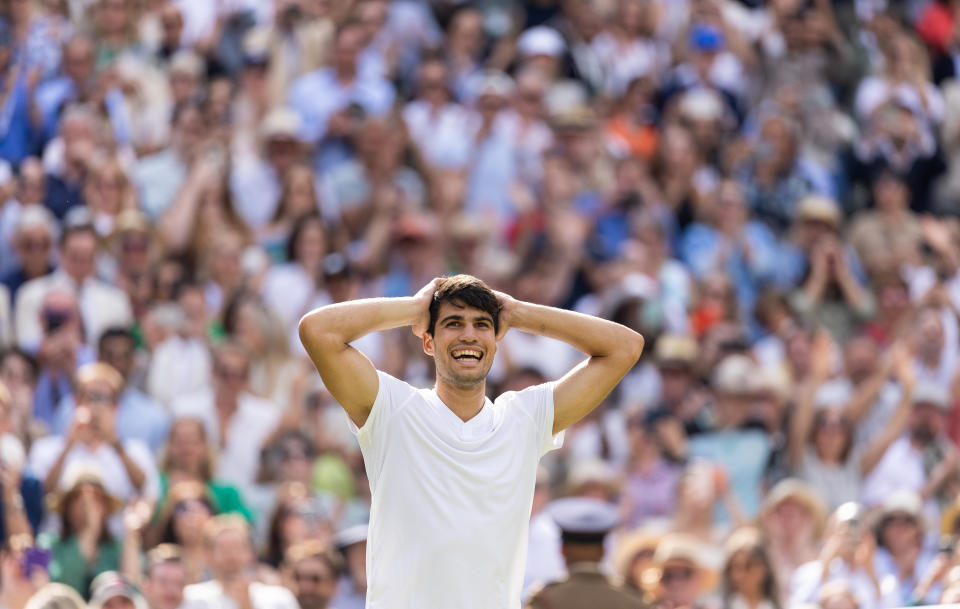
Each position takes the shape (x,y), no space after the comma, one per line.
(476,319)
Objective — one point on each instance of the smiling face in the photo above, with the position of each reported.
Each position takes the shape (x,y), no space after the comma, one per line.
(463,344)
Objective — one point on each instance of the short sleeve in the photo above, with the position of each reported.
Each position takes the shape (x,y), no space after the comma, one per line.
(537,403)
(391,394)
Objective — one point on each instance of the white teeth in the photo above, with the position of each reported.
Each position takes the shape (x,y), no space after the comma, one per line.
(466,352)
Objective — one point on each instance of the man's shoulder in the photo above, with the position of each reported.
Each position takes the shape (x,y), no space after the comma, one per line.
(573,590)
(527,395)
(266,596)
(202,591)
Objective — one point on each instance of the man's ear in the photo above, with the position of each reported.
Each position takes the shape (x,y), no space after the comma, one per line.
(428,343)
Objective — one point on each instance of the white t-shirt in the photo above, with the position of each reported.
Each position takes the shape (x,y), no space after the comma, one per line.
(451,499)
(209,595)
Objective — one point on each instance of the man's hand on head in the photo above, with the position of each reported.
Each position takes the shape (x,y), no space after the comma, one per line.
(424,297)
(508,306)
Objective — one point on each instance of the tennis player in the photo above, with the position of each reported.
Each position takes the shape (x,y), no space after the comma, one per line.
(451,472)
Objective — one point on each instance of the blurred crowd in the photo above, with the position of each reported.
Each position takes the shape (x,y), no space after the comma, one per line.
(768,191)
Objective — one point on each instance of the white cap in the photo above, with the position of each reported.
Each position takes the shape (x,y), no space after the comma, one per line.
(736,375)
(935,394)
(495,83)
(541,40)
(701,104)
(280,122)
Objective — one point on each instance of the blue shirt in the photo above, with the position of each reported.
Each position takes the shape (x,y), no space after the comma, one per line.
(139,417)
(702,249)
(319,95)
(31,491)
(15,133)
(54,95)
(744,454)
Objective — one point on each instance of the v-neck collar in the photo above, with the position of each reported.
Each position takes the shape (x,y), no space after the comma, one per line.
(478,426)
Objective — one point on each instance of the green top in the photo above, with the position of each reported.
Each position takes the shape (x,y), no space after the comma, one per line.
(226,498)
(68,565)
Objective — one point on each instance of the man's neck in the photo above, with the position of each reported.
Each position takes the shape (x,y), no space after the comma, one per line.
(466,403)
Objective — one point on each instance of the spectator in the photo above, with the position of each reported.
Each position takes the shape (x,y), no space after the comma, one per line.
(748,576)
(127,466)
(21,494)
(189,458)
(733,391)
(180,521)
(846,557)
(101,305)
(84,547)
(227,540)
(110,590)
(651,484)
(165,578)
(792,521)
(904,465)
(33,243)
(822,443)
(234,418)
(903,559)
(138,416)
(340,84)
(682,575)
(311,569)
(352,587)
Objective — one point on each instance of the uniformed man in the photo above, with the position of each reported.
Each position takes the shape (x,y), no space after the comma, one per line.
(584,523)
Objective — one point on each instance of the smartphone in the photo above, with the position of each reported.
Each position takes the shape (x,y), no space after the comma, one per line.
(53,320)
(34,559)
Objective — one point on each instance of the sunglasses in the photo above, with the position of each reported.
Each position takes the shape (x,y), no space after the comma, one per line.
(98,398)
(313,578)
(676,574)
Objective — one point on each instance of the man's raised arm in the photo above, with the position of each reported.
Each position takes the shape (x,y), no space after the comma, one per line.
(327,332)
(613,350)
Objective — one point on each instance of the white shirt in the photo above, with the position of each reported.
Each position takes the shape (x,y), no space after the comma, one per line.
(209,595)
(104,460)
(451,499)
(248,429)
(179,366)
(544,554)
(900,468)
(101,306)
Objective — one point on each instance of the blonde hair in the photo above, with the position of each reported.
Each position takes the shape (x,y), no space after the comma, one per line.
(99,371)
(56,596)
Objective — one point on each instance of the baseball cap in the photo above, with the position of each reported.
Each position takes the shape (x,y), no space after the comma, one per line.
(280,122)
(706,38)
(934,394)
(541,40)
(111,584)
(736,375)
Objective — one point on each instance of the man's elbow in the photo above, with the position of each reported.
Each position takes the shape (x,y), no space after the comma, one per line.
(315,334)
(632,346)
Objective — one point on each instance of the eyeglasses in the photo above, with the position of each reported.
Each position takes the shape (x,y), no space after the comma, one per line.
(35,244)
(231,374)
(313,578)
(899,519)
(99,398)
(676,574)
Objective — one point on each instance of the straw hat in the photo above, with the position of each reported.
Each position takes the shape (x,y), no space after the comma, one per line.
(801,492)
(631,544)
(76,477)
(682,548)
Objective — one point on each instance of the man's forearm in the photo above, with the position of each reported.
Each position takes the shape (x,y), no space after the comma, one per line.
(591,335)
(345,322)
